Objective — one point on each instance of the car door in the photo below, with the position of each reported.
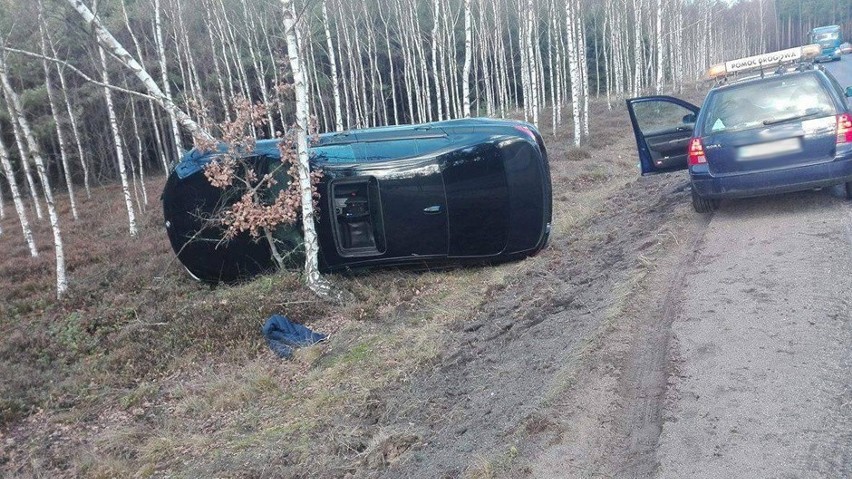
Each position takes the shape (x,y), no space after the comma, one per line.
(663,126)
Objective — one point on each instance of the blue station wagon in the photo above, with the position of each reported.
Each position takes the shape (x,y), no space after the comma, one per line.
(776,132)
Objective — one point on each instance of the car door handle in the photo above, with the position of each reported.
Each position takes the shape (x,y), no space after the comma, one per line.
(432,210)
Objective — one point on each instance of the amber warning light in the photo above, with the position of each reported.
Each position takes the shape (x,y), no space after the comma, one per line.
(770,59)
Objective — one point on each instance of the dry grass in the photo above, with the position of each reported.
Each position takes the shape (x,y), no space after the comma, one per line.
(142,372)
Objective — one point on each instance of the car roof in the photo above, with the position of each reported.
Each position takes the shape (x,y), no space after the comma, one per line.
(731,83)
(826,28)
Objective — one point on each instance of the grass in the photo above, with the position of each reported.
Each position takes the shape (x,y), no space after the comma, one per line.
(150,374)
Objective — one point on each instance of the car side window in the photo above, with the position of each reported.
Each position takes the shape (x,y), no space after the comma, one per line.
(658,116)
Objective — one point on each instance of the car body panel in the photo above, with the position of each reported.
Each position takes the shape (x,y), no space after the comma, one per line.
(445,192)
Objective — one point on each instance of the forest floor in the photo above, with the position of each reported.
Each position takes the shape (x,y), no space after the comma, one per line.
(558,365)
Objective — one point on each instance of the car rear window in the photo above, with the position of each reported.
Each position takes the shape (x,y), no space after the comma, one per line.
(758,103)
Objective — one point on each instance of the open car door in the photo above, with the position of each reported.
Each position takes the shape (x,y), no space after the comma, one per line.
(663,126)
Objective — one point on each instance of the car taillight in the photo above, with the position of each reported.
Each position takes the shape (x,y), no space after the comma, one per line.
(844,128)
(526,131)
(696,152)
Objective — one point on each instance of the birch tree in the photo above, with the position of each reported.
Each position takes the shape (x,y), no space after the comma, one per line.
(54,110)
(573,68)
(161,53)
(119,146)
(658,85)
(109,43)
(35,154)
(20,209)
(468,42)
(20,142)
(312,275)
(332,60)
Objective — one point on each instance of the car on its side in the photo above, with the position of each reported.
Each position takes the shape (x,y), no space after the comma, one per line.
(459,191)
(786,130)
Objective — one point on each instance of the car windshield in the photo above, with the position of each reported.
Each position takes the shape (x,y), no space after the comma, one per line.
(767,102)
(821,37)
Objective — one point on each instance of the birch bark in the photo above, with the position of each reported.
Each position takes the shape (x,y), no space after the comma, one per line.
(54,110)
(312,276)
(25,159)
(119,147)
(106,40)
(573,69)
(20,209)
(164,75)
(332,60)
(35,152)
(468,43)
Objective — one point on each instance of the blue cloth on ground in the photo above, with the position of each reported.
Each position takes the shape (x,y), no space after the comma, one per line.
(283,335)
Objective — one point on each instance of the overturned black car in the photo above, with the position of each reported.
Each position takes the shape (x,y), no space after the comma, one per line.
(473,190)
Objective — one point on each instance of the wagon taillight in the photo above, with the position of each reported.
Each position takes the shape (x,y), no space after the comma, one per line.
(844,128)
(696,152)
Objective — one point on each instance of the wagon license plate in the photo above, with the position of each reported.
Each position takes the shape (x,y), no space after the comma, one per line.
(764,150)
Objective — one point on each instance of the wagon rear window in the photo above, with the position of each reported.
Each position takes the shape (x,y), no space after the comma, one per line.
(761,103)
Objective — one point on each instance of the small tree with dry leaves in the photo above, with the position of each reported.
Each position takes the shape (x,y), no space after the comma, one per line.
(262,193)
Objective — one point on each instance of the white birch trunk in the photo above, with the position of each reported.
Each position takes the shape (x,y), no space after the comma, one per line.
(532,47)
(217,68)
(150,103)
(584,74)
(139,155)
(468,44)
(20,209)
(312,276)
(35,152)
(106,40)
(573,69)
(660,56)
(332,60)
(54,110)
(20,142)
(522,48)
(394,104)
(637,47)
(166,93)
(75,130)
(436,14)
(119,148)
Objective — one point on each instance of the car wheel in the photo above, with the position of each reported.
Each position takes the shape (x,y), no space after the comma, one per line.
(703,205)
(849,190)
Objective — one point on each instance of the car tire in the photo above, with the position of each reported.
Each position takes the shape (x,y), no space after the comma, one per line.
(703,205)
(849,190)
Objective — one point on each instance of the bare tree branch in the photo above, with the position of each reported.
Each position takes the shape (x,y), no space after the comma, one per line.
(75,70)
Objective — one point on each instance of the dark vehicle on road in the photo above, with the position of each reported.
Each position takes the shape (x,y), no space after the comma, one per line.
(474,190)
(781,130)
(829,39)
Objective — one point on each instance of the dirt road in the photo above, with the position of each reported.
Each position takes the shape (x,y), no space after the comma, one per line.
(761,382)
